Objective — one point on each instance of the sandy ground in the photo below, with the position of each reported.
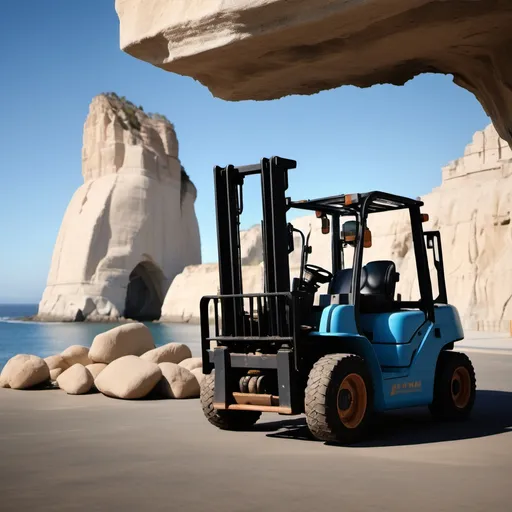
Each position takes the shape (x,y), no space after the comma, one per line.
(92,453)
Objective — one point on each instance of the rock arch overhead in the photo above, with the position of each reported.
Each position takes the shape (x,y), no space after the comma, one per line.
(145,293)
(266,49)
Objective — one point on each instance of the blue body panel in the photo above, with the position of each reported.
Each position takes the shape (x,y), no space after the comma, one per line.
(403,351)
(395,336)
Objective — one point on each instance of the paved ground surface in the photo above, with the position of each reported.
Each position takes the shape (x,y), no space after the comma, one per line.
(66,453)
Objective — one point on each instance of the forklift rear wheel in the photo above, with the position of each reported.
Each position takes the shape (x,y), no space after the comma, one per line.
(339,399)
(454,387)
(225,420)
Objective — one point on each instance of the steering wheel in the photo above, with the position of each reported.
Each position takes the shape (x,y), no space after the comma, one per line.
(319,274)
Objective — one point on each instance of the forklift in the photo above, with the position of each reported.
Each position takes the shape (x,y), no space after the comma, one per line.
(338,357)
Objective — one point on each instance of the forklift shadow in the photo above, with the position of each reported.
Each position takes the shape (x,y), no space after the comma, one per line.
(492,414)
(291,428)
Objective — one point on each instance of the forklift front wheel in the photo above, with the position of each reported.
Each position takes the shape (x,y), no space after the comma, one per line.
(225,420)
(339,399)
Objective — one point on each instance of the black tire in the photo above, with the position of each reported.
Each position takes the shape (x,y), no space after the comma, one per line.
(454,387)
(225,420)
(327,403)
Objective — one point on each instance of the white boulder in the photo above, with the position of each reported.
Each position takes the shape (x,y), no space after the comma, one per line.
(198,374)
(76,380)
(76,354)
(55,373)
(128,377)
(56,361)
(95,369)
(177,382)
(127,339)
(192,363)
(169,353)
(24,371)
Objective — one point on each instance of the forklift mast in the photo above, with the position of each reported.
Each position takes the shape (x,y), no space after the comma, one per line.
(229,183)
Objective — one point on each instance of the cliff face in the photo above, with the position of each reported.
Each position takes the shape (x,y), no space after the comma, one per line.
(182,300)
(131,227)
(266,49)
(471,208)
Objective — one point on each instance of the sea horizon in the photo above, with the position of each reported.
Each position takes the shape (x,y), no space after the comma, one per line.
(14,310)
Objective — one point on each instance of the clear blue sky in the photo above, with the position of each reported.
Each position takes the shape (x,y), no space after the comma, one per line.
(56,55)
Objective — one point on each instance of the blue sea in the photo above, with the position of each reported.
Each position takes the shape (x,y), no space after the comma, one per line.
(45,339)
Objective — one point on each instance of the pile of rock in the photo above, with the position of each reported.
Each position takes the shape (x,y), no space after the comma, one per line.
(121,363)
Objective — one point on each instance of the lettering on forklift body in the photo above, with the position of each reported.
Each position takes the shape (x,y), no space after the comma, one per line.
(406,387)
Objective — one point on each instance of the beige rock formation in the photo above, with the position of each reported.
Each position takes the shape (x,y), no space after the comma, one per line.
(56,361)
(169,353)
(177,382)
(192,363)
(96,368)
(128,377)
(471,208)
(128,339)
(55,373)
(251,245)
(24,371)
(130,228)
(198,374)
(76,380)
(266,49)
(182,300)
(76,354)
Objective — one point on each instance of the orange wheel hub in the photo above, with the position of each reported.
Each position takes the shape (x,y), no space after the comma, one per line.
(352,400)
(461,387)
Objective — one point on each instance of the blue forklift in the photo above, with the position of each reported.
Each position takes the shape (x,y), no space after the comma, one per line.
(337,357)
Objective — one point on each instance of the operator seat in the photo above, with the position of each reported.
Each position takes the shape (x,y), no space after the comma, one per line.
(377,285)
(342,282)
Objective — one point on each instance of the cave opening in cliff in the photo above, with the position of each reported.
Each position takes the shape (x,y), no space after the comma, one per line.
(144,296)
